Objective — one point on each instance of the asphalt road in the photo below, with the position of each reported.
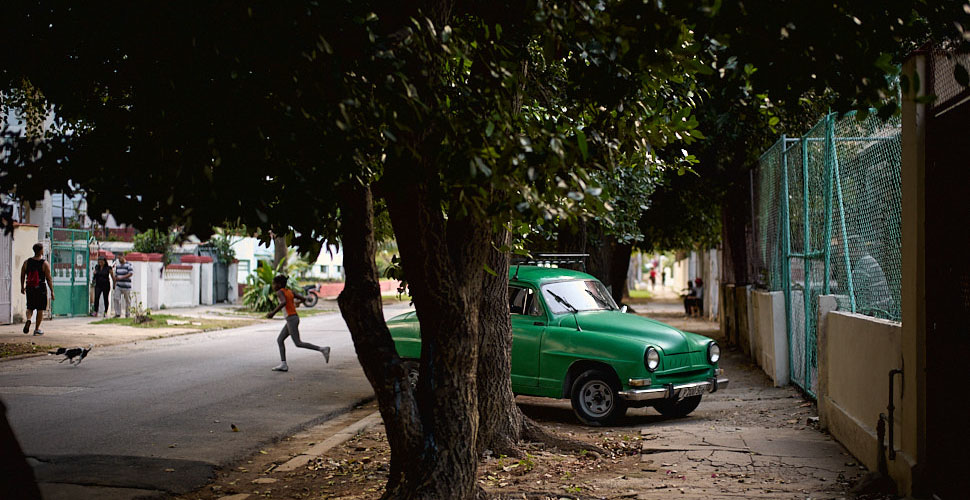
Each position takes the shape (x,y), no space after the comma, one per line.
(153,418)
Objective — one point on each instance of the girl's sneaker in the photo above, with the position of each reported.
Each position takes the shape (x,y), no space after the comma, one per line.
(326,353)
(281,368)
(27,326)
(38,332)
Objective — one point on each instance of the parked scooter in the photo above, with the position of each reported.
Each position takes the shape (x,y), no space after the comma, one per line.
(310,292)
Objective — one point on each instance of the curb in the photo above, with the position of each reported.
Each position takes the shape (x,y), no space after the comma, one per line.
(337,439)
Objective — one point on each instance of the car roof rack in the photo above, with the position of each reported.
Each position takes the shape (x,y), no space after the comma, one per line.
(550,259)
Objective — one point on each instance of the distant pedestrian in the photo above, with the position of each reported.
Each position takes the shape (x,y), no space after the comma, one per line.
(689,298)
(653,278)
(122,276)
(286,298)
(103,276)
(699,292)
(35,279)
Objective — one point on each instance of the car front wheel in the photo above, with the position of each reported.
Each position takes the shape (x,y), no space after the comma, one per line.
(681,408)
(596,399)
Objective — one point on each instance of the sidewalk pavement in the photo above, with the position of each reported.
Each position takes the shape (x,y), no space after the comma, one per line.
(751,440)
(79,331)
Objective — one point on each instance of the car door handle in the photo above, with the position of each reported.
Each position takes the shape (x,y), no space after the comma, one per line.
(538,323)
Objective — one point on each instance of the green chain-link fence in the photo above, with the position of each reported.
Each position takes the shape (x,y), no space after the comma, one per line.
(826,209)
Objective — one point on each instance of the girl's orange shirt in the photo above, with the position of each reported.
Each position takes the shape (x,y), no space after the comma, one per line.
(290,305)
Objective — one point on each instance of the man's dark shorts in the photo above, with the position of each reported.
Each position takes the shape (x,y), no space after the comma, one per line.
(37,298)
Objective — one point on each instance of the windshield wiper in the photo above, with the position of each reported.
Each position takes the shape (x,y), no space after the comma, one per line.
(599,299)
(563,301)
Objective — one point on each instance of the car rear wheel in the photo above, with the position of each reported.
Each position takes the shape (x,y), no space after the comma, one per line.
(411,368)
(596,398)
(681,408)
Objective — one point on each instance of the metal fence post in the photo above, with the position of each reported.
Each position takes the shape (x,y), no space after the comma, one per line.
(786,248)
(845,236)
(807,262)
(827,243)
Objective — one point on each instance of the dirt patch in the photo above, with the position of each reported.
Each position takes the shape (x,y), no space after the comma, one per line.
(173,321)
(9,349)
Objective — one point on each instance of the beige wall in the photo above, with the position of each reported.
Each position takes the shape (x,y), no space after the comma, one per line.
(769,335)
(860,352)
(913,342)
(24,237)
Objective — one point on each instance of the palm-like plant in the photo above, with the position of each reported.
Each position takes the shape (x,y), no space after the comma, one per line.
(259,295)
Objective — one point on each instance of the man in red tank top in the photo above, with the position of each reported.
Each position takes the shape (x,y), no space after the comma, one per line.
(286,297)
(35,279)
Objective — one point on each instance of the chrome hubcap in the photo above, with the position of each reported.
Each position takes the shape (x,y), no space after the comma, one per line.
(597,397)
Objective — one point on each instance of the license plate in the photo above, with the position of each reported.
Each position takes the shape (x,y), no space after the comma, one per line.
(692,391)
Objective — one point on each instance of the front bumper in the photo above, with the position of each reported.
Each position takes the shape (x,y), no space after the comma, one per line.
(674,391)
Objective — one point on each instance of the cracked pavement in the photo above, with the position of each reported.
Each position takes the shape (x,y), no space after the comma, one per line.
(751,440)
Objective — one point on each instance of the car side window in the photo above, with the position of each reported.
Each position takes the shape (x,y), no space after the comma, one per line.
(518,298)
(523,301)
(534,307)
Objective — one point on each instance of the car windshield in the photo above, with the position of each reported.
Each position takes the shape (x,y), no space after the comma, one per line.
(577,295)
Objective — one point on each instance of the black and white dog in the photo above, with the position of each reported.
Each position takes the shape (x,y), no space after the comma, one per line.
(72,352)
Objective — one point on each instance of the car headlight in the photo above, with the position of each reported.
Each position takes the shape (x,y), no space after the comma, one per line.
(651,359)
(713,352)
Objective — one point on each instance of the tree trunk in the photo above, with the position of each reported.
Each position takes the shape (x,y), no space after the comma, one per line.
(735,222)
(500,420)
(502,425)
(280,249)
(619,270)
(360,305)
(444,262)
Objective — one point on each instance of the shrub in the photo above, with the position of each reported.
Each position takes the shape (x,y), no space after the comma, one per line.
(155,241)
(259,295)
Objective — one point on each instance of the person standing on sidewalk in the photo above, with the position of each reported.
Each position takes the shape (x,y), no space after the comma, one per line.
(286,297)
(103,276)
(35,279)
(122,275)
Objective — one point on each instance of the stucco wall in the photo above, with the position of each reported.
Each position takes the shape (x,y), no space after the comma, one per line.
(860,351)
(177,288)
(24,237)
(769,336)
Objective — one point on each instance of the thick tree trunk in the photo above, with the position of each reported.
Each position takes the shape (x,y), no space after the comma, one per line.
(500,420)
(360,305)
(444,262)
(619,270)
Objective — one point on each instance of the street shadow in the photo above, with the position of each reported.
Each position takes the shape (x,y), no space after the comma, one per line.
(555,411)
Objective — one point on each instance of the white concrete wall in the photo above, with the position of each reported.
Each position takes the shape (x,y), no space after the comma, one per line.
(233,296)
(154,299)
(24,237)
(860,351)
(205,284)
(769,335)
(140,283)
(196,293)
(177,288)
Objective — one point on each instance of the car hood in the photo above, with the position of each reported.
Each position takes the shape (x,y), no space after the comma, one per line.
(666,337)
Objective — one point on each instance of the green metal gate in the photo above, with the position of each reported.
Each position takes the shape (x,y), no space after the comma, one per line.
(70,263)
(827,210)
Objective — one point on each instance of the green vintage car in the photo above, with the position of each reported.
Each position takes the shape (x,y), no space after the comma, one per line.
(570,340)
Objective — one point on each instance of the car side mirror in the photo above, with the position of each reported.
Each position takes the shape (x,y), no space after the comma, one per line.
(623,309)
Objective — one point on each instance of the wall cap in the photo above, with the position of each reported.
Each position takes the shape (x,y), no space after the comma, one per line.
(179,267)
(154,257)
(190,259)
(136,257)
